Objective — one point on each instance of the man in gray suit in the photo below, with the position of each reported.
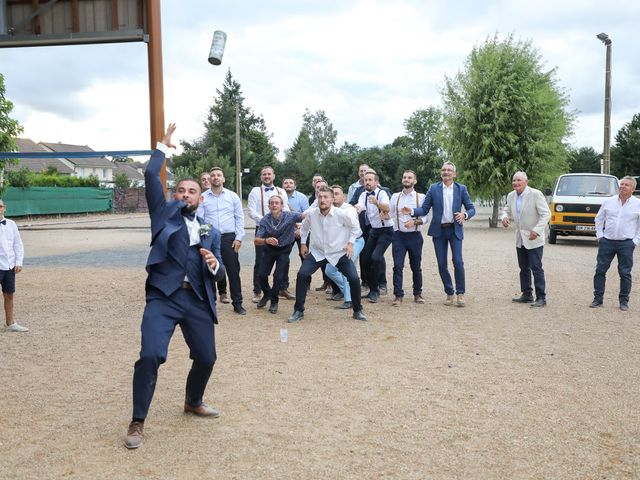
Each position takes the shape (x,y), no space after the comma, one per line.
(529,210)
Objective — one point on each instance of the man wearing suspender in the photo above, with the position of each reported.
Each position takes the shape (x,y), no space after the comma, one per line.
(258,206)
(407,238)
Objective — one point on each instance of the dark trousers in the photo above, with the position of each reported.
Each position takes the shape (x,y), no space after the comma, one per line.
(310,265)
(441,245)
(161,315)
(364,274)
(607,249)
(280,257)
(530,262)
(231,264)
(403,243)
(372,254)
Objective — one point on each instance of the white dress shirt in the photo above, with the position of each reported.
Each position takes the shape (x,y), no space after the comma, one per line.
(373,211)
(223,211)
(258,202)
(11,248)
(331,232)
(616,221)
(193,228)
(398,202)
(447,204)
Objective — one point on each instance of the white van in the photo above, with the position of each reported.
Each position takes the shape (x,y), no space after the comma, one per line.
(575,201)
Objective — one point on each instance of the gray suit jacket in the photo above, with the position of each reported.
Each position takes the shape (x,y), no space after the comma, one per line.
(534,215)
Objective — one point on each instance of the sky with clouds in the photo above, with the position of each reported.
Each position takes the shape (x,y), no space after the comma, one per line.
(368,64)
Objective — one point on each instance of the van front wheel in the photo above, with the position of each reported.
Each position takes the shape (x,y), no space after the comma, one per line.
(552,237)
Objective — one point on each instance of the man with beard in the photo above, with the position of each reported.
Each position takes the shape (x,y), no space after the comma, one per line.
(375,203)
(407,238)
(182,267)
(222,208)
(334,233)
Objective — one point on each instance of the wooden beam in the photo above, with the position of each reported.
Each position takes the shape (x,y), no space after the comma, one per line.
(140,16)
(75,16)
(36,21)
(115,24)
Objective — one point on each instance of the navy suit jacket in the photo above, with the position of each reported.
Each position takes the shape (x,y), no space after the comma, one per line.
(433,201)
(164,265)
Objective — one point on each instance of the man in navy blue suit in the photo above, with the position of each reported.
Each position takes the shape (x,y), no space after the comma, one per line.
(446,199)
(182,268)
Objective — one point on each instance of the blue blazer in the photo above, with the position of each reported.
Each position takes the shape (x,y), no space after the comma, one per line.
(433,201)
(165,263)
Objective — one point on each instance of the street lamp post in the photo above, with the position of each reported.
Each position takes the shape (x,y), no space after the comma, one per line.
(606,159)
(238,167)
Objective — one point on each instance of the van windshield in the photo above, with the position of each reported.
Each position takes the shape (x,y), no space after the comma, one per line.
(587,185)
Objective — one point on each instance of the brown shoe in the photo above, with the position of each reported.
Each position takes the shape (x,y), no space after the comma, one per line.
(224,298)
(460,302)
(397,302)
(449,301)
(323,287)
(418,299)
(284,293)
(135,435)
(202,411)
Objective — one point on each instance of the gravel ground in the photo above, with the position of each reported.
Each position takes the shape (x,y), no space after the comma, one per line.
(490,391)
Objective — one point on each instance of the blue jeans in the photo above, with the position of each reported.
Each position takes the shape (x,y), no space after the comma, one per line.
(530,261)
(441,245)
(338,278)
(403,243)
(607,249)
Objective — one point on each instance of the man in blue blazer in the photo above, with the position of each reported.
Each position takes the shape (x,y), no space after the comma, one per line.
(446,199)
(182,268)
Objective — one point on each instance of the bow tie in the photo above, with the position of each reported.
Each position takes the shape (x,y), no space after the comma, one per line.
(371,193)
(268,189)
(190,215)
(3,222)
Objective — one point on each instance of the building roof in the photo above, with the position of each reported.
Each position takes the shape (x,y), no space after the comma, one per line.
(100,162)
(129,168)
(37,165)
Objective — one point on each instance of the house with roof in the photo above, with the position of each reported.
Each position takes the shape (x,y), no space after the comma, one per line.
(38,165)
(98,166)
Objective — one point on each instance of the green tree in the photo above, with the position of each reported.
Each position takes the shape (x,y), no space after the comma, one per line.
(300,162)
(504,113)
(121,180)
(321,133)
(625,155)
(424,135)
(584,160)
(217,146)
(9,130)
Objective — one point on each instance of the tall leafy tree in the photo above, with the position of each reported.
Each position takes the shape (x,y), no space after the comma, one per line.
(217,146)
(9,129)
(300,162)
(584,160)
(424,132)
(505,113)
(625,155)
(321,133)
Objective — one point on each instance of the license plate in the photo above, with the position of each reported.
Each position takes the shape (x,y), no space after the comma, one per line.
(586,228)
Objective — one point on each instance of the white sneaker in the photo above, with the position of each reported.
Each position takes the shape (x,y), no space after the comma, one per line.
(14,327)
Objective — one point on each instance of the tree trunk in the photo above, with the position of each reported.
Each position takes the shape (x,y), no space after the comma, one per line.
(493,221)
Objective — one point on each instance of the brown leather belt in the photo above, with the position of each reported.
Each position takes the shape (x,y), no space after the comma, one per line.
(186,285)
(446,225)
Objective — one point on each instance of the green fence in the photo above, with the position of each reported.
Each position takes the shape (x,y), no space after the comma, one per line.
(51,200)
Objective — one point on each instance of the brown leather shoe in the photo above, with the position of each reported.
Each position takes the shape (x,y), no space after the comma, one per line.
(418,299)
(135,435)
(284,293)
(449,301)
(202,411)
(397,301)
(322,287)
(224,298)
(460,301)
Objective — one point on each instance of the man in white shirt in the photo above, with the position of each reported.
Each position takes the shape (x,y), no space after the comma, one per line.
(375,203)
(222,208)
(530,212)
(334,234)
(11,256)
(258,206)
(618,232)
(407,238)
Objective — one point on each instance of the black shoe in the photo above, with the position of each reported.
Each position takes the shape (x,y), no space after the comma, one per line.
(343,306)
(523,299)
(540,302)
(240,310)
(359,316)
(273,308)
(624,306)
(296,316)
(263,301)
(596,303)
(337,296)
(373,297)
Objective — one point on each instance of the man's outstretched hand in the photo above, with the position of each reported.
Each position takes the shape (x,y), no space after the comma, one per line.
(166,140)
